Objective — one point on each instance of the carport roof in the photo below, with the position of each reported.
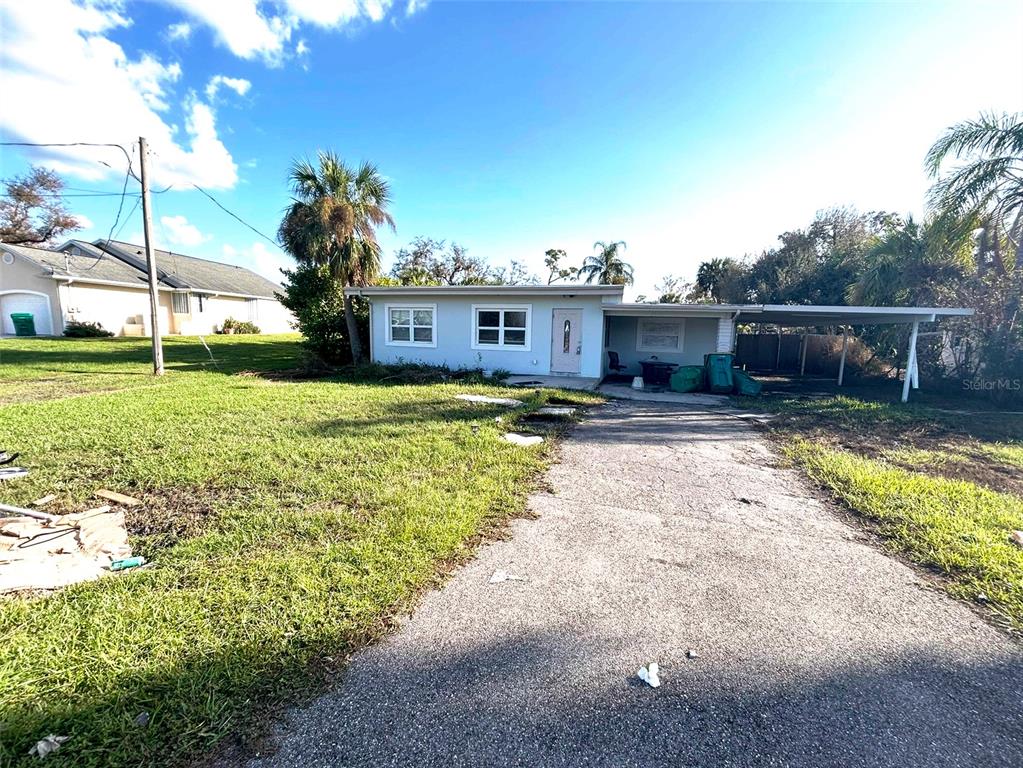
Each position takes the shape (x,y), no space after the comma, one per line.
(794,314)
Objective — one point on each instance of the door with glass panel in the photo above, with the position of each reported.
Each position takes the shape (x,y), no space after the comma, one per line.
(567,341)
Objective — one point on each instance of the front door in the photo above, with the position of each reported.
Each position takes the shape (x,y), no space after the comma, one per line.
(567,341)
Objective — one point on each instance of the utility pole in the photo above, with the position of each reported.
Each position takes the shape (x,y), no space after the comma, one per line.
(154,300)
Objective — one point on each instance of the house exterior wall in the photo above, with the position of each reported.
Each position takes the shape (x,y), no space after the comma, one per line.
(701,335)
(24,276)
(115,307)
(453,329)
(268,315)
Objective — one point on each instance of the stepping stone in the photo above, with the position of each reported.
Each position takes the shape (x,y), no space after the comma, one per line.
(526,440)
(506,401)
(556,410)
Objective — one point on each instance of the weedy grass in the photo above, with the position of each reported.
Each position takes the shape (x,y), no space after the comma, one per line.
(954,526)
(940,486)
(327,506)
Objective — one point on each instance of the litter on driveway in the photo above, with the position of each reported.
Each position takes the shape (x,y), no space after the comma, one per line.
(506,401)
(500,575)
(650,674)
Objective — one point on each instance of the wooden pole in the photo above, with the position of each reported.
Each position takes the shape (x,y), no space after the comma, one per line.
(147,225)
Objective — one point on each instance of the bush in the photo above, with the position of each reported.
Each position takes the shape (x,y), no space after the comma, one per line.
(230,325)
(421,373)
(82,330)
(317,301)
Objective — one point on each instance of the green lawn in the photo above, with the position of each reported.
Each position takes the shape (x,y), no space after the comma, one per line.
(942,488)
(288,522)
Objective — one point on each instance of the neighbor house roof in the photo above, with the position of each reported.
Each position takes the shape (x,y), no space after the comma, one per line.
(88,262)
(195,274)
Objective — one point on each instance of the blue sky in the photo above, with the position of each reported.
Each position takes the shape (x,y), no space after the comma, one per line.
(688,130)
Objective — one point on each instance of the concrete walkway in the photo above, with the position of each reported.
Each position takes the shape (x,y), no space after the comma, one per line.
(669,530)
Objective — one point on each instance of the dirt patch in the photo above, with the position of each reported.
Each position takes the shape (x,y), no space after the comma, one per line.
(168,516)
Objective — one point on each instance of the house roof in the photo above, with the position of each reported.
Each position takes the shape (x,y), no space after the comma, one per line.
(189,272)
(489,290)
(88,262)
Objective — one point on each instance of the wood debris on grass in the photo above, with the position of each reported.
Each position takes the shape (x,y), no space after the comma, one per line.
(46,554)
(118,498)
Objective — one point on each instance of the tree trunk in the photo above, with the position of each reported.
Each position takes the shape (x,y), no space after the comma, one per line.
(358,356)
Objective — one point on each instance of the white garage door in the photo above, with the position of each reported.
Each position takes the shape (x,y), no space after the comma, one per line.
(36,305)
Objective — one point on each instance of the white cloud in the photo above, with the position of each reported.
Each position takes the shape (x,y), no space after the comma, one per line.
(56,56)
(179,31)
(251,29)
(260,258)
(84,222)
(415,6)
(236,84)
(180,231)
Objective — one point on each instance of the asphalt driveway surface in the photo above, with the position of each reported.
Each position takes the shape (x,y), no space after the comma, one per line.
(665,531)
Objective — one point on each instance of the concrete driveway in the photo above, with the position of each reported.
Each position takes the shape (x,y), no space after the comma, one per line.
(664,531)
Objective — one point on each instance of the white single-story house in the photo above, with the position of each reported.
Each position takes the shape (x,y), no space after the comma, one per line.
(571,330)
(106,282)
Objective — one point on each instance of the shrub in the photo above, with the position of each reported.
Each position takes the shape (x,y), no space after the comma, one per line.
(230,325)
(317,301)
(421,373)
(82,330)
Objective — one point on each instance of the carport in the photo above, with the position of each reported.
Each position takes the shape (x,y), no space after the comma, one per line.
(787,315)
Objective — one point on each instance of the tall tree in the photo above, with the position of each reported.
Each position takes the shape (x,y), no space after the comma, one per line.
(986,189)
(32,211)
(332,221)
(553,260)
(607,266)
(722,281)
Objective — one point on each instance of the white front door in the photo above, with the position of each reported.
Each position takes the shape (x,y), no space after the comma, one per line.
(567,341)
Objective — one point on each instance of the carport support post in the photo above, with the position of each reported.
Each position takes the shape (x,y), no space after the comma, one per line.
(910,361)
(802,357)
(845,346)
(147,226)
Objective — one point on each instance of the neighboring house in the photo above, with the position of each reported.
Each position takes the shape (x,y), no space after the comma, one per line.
(568,330)
(106,283)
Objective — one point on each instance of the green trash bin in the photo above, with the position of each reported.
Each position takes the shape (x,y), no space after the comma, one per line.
(719,373)
(24,324)
(746,384)
(688,378)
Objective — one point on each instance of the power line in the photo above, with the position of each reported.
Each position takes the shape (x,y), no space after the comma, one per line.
(236,217)
(127,154)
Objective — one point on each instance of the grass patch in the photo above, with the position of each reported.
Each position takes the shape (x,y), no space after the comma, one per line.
(941,487)
(288,522)
(957,527)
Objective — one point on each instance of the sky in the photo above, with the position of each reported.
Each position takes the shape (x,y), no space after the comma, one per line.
(690,131)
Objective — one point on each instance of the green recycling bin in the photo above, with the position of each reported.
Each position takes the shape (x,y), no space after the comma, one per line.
(24,324)
(719,373)
(688,378)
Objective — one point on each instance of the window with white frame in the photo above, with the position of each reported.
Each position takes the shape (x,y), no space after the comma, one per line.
(501,327)
(656,334)
(412,325)
(180,303)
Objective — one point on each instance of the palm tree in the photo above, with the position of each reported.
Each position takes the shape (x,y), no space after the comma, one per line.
(986,192)
(607,267)
(332,222)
